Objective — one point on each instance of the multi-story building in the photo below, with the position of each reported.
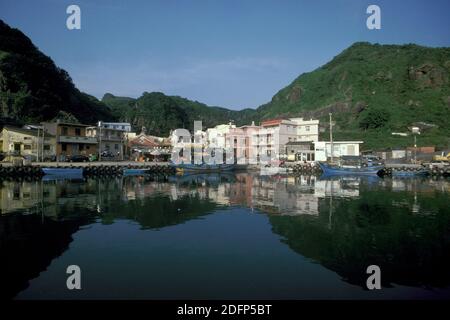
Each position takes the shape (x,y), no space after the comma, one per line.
(275,134)
(238,141)
(216,136)
(111,137)
(33,142)
(71,139)
(307,130)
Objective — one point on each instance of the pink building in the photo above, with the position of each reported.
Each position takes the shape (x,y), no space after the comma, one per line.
(239,141)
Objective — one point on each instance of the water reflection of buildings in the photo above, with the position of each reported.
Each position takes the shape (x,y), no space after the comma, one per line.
(287,194)
(50,198)
(276,194)
(15,195)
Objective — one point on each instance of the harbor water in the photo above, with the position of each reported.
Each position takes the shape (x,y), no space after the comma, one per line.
(225,236)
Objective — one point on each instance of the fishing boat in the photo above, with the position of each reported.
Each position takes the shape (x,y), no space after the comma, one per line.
(62,174)
(341,169)
(62,171)
(134,172)
(203,167)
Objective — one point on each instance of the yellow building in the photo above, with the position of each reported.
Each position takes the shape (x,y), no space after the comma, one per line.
(33,143)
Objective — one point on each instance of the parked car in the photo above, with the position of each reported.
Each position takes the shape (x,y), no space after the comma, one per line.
(78,158)
(372,160)
(107,155)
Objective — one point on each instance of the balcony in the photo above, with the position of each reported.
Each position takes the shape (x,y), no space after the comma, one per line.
(77,139)
(112,138)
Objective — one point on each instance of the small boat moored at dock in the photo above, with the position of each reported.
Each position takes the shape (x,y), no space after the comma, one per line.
(134,172)
(330,169)
(353,165)
(62,171)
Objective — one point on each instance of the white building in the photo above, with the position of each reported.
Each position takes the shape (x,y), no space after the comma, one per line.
(216,136)
(275,134)
(322,149)
(112,137)
(307,130)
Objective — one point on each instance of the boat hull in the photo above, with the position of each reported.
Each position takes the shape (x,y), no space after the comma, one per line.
(134,172)
(62,171)
(62,174)
(336,170)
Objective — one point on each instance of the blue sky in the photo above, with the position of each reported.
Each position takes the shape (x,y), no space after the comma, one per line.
(229,53)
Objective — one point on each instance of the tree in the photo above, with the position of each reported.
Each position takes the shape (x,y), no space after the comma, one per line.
(374,119)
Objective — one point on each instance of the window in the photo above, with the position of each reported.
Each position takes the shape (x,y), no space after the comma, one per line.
(26,138)
(65,131)
(116,146)
(351,150)
(77,131)
(46,147)
(307,128)
(87,147)
(27,147)
(64,147)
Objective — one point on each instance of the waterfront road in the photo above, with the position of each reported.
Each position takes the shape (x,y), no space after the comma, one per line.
(93,163)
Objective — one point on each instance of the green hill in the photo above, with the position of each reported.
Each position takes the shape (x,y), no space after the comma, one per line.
(374,90)
(160,113)
(33,88)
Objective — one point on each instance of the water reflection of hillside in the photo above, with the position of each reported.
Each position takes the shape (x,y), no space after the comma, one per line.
(39,218)
(345,224)
(404,231)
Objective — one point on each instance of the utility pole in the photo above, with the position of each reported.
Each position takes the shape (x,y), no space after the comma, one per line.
(37,144)
(331,136)
(100,141)
(43,142)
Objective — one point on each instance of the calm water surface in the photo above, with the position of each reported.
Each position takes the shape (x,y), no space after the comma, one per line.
(225,236)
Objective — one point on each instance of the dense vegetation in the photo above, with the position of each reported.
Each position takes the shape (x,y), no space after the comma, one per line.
(372,90)
(33,88)
(159,113)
